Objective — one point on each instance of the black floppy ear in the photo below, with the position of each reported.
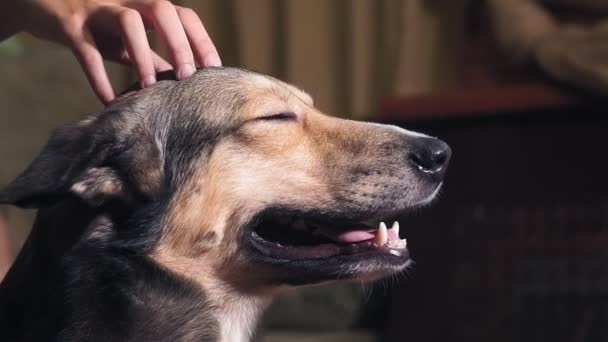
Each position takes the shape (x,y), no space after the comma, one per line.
(69,153)
(105,156)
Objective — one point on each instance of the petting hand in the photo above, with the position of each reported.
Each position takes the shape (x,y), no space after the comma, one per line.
(116,30)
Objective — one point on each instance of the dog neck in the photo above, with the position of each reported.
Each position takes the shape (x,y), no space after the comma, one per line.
(236,312)
(192,304)
(31,294)
(238,316)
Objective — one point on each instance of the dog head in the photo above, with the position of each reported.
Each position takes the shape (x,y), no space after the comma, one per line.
(236,176)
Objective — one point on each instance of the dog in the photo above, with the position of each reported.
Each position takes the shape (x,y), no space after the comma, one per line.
(176,213)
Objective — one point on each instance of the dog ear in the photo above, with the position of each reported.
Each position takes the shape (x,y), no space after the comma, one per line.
(86,159)
(99,184)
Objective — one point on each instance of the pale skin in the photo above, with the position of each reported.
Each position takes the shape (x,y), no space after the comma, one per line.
(115,30)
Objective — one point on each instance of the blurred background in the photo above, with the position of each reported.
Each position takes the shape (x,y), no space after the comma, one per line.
(515,249)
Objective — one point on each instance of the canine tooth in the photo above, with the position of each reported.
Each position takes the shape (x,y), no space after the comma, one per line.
(382,235)
(395,227)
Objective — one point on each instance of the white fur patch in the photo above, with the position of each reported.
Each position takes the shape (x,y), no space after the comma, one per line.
(238,317)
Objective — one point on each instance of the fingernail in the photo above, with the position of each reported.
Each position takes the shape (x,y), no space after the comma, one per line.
(213,60)
(148,81)
(185,71)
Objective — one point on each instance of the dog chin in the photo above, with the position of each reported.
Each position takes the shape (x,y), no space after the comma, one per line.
(309,272)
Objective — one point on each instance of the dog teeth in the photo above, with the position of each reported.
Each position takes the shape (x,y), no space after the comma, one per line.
(382,235)
(397,243)
(382,226)
(395,227)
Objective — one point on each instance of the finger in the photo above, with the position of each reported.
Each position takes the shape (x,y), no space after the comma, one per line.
(90,59)
(204,51)
(166,22)
(121,55)
(160,64)
(136,43)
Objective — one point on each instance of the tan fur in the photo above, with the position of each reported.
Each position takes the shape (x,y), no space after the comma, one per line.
(237,310)
(268,159)
(263,162)
(289,163)
(284,163)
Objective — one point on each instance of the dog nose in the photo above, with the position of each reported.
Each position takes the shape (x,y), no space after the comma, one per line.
(431,157)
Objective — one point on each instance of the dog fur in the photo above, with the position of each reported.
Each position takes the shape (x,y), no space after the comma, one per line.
(145,209)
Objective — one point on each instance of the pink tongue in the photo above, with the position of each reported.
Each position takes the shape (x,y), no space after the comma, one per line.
(355,235)
(348,236)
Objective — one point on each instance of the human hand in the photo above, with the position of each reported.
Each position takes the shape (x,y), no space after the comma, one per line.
(116,30)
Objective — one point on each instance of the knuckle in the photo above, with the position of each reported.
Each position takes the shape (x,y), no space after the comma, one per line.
(129,16)
(205,46)
(182,54)
(159,7)
(89,57)
(71,26)
(187,13)
(88,60)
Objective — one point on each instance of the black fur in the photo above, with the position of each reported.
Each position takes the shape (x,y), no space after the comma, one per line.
(66,288)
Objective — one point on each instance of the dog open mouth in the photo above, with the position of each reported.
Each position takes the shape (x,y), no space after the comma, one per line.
(305,238)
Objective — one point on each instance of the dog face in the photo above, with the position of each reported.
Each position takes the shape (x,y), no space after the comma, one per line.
(236,176)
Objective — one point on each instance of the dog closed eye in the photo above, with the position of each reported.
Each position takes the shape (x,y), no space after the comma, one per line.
(286,116)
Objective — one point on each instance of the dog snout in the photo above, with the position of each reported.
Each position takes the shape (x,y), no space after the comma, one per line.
(430,156)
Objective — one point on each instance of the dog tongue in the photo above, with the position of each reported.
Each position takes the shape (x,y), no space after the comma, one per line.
(355,235)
